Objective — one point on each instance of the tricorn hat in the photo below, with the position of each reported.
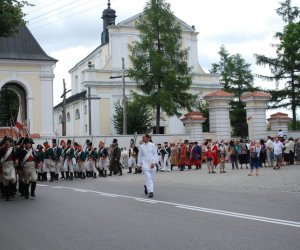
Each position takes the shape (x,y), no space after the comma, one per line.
(6,138)
(115,140)
(69,141)
(54,141)
(20,141)
(39,146)
(28,140)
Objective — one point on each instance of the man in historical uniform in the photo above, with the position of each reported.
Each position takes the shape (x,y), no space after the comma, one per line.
(49,160)
(132,161)
(80,160)
(62,159)
(40,163)
(28,163)
(69,159)
(91,158)
(102,159)
(167,158)
(57,159)
(7,167)
(114,165)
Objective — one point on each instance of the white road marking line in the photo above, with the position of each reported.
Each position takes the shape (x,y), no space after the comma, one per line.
(81,190)
(262,219)
(42,185)
(57,187)
(110,195)
(194,208)
(146,200)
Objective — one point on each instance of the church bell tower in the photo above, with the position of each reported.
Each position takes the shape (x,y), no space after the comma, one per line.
(109,18)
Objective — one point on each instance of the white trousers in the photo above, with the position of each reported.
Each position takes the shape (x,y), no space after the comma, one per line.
(29,172)
(132,162)
(90,166)
(8,173)
(102,164)
(167,164)
(68,165)
(149,175)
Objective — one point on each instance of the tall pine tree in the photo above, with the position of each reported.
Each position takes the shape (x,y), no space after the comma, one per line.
(236,75)
(159,62)
(285,66)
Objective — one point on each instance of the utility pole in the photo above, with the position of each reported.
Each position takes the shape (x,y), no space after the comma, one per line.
(63,122)
(89,98)
(123,96)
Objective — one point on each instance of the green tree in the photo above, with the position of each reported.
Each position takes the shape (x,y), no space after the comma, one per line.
(159,62)
(285,66)
(11,16)
(9,106)
(236,75)
(139,117)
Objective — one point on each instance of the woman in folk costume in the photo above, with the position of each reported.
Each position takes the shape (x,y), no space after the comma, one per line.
(215,151)
(196,156)
(174,155)
(184,160)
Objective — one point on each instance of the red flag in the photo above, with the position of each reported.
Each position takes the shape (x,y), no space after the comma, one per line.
(19,124)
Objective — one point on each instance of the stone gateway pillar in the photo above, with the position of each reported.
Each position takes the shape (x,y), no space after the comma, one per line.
(256,113)
(279,121)
(218,105)
(193,125)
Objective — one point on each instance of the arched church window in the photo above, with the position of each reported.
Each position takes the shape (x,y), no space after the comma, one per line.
(77,114)
(68,117)
(60,119)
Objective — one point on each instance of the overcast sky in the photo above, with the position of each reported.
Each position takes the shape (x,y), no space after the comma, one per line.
(69,30)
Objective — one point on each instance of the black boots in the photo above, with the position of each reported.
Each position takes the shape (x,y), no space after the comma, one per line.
(67,175)
(120,172)
(52,176)
(26,190)
(130,170)
(71,176)
(33,186)
(94,175)
(62,175)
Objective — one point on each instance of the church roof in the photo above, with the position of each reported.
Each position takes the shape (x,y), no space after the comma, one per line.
(72,98)
(256,94)
(22,46)
(131,22)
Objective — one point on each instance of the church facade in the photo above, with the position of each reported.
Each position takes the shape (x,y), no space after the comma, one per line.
(27,70)
(90,109)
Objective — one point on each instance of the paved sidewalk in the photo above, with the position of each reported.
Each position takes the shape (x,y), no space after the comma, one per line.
(287,179)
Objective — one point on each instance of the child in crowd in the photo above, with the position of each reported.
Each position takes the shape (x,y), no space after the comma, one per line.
(209,159)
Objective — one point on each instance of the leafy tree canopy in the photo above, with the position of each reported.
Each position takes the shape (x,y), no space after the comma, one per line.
(11,16)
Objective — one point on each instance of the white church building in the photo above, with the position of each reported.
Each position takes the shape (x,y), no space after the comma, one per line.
(92,75)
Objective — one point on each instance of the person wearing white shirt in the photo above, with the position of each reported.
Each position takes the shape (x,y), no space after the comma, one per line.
(270,147)
(280,134)
(147,159)
(292,151)
(278,146)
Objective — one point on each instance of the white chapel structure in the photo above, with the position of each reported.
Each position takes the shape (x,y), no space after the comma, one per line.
(90,77)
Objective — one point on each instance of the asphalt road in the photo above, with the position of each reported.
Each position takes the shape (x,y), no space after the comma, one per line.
(190,210)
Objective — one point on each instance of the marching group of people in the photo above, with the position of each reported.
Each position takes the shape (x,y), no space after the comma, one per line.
(24,165)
